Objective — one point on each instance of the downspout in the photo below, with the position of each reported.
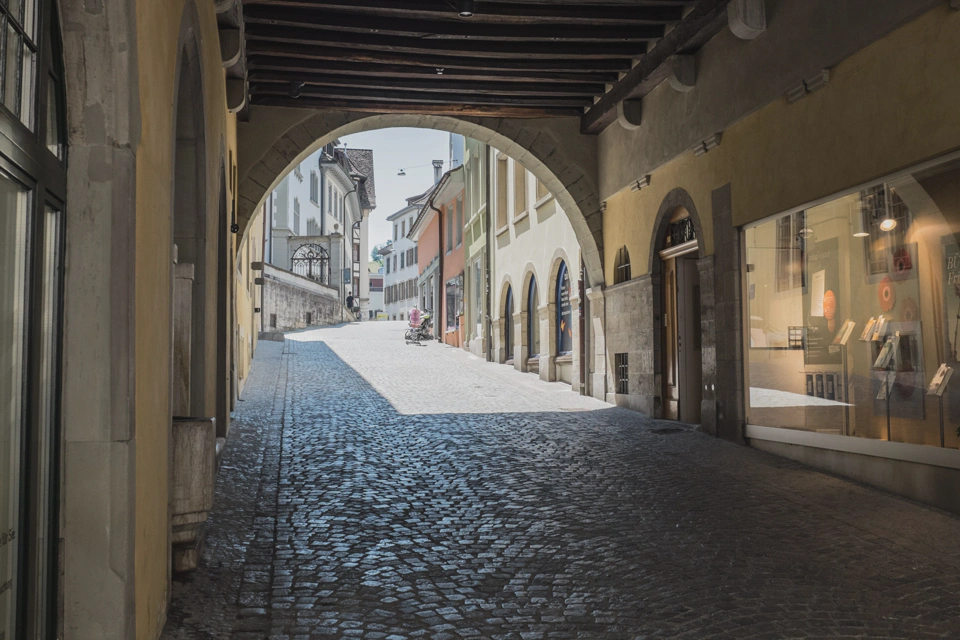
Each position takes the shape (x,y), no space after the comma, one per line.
(488,329)
(323,195)
(442,286)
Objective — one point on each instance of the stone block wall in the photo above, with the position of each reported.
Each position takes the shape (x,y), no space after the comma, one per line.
(290,298)
(631,309)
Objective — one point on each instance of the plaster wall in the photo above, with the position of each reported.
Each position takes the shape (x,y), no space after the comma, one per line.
(160,27)
(889,106)
(248,298)
(532,243)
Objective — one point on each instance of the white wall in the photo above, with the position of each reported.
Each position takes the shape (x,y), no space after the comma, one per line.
(402,222)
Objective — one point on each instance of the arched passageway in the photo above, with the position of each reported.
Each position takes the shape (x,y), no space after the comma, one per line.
(553,149)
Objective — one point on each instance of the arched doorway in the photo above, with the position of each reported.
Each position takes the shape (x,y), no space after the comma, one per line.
(33,194)
(676,263)
(533,319)
(508,339)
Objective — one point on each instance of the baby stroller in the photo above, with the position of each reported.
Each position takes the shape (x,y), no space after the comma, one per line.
(419,330)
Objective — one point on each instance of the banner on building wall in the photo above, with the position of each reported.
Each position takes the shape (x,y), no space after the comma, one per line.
(564,313)
(822,316)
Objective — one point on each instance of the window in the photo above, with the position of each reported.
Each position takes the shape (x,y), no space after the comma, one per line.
(564,312)
(403,228)
(395,232)
(533,319)
(273,321)
(394,262)
(402,258)
(296,172)
(622,371)
(519,189)
(31,266)
(296,216)
(459,221)
(449,209)
(415,254)
(314,188)
(621,269)
(330,200)
(851,309)
(790,239)
(507,321)
(501,192)
(388,264)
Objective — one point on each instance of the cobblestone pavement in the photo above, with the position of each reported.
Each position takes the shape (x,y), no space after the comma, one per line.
(382,491)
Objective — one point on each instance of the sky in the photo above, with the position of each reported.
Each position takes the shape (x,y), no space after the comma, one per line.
(395,149)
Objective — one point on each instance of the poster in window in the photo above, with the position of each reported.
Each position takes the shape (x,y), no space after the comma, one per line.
(951,316)
(821,304)
(564,313)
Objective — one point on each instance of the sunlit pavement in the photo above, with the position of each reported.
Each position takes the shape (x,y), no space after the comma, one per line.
(372,489)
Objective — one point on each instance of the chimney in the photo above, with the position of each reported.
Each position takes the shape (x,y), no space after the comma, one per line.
(437,170)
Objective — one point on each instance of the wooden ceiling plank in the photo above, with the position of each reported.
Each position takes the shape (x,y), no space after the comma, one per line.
(438,84)
(453,30)
(638,12)
(423,97)
(321,52)
(450,109)
(479,48)
(346,67)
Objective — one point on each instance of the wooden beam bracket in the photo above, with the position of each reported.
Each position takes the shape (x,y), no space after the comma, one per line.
(707,144)
(231,46)
(747,18)
(643,181)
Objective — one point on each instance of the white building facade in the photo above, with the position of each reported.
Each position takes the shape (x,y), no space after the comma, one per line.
(400,269)
(319,222)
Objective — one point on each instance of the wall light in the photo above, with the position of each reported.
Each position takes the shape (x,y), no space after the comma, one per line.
(888,225)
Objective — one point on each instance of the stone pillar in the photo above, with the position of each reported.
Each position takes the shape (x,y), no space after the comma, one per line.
(598,346)
(498,351)
(520,341)
(548,342)
(182,336)
(648,347)
(708,345)
(575,319)
(727,318)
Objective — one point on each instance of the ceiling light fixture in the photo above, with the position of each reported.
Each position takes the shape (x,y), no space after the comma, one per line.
(888,225)
(465,8)
(296,87)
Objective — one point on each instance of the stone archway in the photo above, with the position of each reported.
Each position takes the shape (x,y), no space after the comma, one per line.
(276,138)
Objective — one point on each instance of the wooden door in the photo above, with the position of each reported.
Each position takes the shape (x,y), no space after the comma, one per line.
(688,339)
(671,360)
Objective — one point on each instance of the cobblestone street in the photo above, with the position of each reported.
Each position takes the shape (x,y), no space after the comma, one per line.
(376,490)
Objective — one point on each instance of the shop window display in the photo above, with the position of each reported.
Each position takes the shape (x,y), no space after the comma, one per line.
(853,308)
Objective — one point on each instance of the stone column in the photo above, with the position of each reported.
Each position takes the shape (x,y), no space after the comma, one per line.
(598,346)
(728,321)
(548,341)
(575,320)
(520,338)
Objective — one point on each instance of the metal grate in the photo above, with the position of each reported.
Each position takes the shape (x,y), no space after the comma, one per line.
(622,368)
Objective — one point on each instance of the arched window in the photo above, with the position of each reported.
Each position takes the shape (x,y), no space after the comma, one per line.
(533,319)
(32,208)
(621,269)
(564,311)
(508,324)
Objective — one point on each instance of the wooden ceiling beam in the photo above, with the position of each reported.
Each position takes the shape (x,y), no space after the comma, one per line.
(437,84)
(653,68)
(439,109)
(635,12)
(478,48)
(376,70)
(420,97)
(321,52)
(448,30)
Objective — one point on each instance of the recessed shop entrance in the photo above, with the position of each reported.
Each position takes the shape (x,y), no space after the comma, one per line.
(680,343)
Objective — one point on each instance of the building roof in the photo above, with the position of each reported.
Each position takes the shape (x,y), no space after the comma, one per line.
(361,163)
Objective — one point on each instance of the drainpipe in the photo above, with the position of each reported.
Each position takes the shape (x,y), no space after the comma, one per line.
(488,328)
(323,196)
(441,283)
